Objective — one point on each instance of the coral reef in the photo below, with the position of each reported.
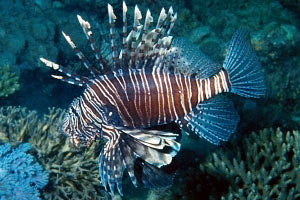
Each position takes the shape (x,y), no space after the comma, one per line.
(265,166)
(73,172)
(21,177)
(9,82)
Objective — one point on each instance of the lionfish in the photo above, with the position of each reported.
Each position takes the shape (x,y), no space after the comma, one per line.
(154,80)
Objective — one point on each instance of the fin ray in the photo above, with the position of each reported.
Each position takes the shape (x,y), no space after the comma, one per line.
(73,77)
(124,146)
(86,27)
(215,120)
(191,60)
(243,67)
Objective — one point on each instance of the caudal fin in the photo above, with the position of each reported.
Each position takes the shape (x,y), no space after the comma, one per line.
(243,67)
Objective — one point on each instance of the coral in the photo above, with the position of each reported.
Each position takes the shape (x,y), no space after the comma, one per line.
(20,175)
(9,82)
(265,166)
(73,172)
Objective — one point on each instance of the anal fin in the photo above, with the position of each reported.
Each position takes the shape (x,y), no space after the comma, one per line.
(153,177)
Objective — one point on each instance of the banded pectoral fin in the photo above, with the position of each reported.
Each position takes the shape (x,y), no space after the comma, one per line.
(154,148)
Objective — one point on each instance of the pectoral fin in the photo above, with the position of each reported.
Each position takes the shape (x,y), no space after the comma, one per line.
(155,148)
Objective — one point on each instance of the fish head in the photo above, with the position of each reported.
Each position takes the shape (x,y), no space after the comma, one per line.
(78,126)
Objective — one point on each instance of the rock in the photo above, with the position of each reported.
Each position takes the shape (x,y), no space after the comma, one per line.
(199,34)
(43,4)
(57,4)
(14,42)
(211,47)
(7,59)
(39,30)
(2,32)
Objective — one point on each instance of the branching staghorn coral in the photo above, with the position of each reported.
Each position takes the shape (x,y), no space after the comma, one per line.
(265,166)
(73,172)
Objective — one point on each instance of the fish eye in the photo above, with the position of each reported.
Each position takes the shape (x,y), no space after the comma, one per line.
(73,109)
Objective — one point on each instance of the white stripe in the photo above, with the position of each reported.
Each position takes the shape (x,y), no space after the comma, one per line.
(182,95)
(92,102)
(190,92)
(118,96)
(224,83)
(205,88)
(158,93)
(178,86)
(147,94)
(209,88)
(138,95)
(107,81)
(86,111)
(215,84)
(162,93)
(166,76)
(111,99)
(123,85)
(198,90)
(172,98)
(94,95)
(133,85)
(218,84)
(201,90)
(104,92)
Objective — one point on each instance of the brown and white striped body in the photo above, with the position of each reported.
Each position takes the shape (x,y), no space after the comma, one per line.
(144,99)
(152,80)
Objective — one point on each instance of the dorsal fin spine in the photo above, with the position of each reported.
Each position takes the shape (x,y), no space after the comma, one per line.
(73,78)
(125,45)
(136,23)
(161,18)
(173,19)
(86,27)
(111,19)
(148,21)
(79,54)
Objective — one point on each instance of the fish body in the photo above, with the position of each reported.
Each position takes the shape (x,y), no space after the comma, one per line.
(154,80)
(145,99)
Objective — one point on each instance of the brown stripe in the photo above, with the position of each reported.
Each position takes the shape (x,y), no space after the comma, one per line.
(203,89)
(91,107)
(194,92)
(212,86)
(131,97)
(185,94)
(177,96)
(154,102)
(142,102)
(145,99)
(166,94)
(170,97)
(227,79)
(115,95)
